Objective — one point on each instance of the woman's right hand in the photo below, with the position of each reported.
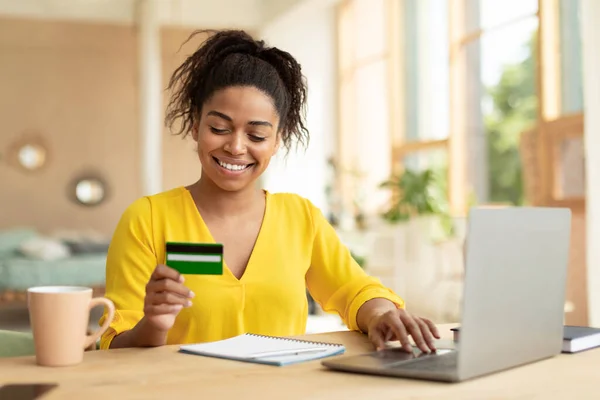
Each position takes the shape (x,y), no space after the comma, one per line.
(165,297)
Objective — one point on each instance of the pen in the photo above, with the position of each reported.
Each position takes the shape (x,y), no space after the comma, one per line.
(277,353)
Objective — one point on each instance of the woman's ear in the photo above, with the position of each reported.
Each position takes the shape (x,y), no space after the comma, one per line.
(195,131)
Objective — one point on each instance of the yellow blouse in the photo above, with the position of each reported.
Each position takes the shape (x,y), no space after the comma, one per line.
(296,249)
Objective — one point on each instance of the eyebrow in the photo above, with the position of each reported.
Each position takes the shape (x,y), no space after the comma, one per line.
(228,118)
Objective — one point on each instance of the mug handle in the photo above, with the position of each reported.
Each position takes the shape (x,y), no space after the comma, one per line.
(96,301)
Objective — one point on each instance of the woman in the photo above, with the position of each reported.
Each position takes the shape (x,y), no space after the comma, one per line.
(241,101)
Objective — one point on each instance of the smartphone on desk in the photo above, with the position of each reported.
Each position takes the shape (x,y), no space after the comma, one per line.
(25,391)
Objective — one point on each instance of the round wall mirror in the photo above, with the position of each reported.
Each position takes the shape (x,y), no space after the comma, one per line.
(89,191)
(31,156)
(29,153)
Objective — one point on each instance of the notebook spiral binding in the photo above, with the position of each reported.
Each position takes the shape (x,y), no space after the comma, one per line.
(295,340)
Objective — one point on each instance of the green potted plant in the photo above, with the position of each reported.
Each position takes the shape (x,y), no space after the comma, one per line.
(415,194)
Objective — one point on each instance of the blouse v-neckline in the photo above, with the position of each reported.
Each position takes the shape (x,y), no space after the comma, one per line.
(257,243)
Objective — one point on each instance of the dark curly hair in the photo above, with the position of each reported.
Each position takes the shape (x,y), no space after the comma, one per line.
(233,58)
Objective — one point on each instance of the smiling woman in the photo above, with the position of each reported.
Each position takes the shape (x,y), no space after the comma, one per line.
(237,136)
(241,101)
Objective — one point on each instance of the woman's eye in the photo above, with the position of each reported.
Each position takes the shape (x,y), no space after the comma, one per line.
(255,138)
(218,131)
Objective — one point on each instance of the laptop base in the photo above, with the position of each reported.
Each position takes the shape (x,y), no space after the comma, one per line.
(398,363)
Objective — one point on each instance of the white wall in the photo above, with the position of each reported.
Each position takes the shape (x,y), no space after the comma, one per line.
(308,32)
(275,8)
(244,14)
(590,14)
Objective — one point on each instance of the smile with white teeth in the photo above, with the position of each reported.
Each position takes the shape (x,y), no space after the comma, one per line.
(232,167)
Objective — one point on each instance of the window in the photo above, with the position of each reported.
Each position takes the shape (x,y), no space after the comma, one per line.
(508,81)
(493,97)
(473,89)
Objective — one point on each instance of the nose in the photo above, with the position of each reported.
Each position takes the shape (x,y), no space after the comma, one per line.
(236,144)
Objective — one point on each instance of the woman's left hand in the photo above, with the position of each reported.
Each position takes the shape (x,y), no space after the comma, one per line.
(398,324)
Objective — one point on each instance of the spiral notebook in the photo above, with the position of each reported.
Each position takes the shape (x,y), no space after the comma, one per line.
(264,349)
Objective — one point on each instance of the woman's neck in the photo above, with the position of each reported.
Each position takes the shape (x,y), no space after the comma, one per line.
(218,203)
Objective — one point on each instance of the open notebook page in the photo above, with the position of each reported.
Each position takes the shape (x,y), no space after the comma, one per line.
(249,347)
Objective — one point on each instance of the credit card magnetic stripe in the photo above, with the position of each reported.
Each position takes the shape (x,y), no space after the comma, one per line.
(191,248)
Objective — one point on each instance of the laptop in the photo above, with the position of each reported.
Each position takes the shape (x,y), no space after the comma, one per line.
(512,305)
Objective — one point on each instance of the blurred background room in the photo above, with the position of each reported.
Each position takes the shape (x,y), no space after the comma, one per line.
(417,110)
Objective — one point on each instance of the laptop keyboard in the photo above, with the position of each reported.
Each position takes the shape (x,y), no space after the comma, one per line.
(432,363)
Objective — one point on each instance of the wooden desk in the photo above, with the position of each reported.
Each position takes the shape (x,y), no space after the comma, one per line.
(160,372)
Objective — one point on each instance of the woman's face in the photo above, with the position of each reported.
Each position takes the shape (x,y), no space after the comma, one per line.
(236,136)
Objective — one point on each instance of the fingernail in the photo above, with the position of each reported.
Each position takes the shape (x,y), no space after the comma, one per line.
(188,303)
(181,279)
(192,295)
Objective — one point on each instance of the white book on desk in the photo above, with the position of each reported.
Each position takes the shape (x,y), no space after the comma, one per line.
(263,349)
(579,338)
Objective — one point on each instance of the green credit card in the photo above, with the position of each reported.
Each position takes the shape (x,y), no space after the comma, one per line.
(195,258)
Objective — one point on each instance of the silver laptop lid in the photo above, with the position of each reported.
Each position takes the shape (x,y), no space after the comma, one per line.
(515,278)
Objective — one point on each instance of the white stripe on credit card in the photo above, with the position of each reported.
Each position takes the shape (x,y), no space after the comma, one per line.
(193,257)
